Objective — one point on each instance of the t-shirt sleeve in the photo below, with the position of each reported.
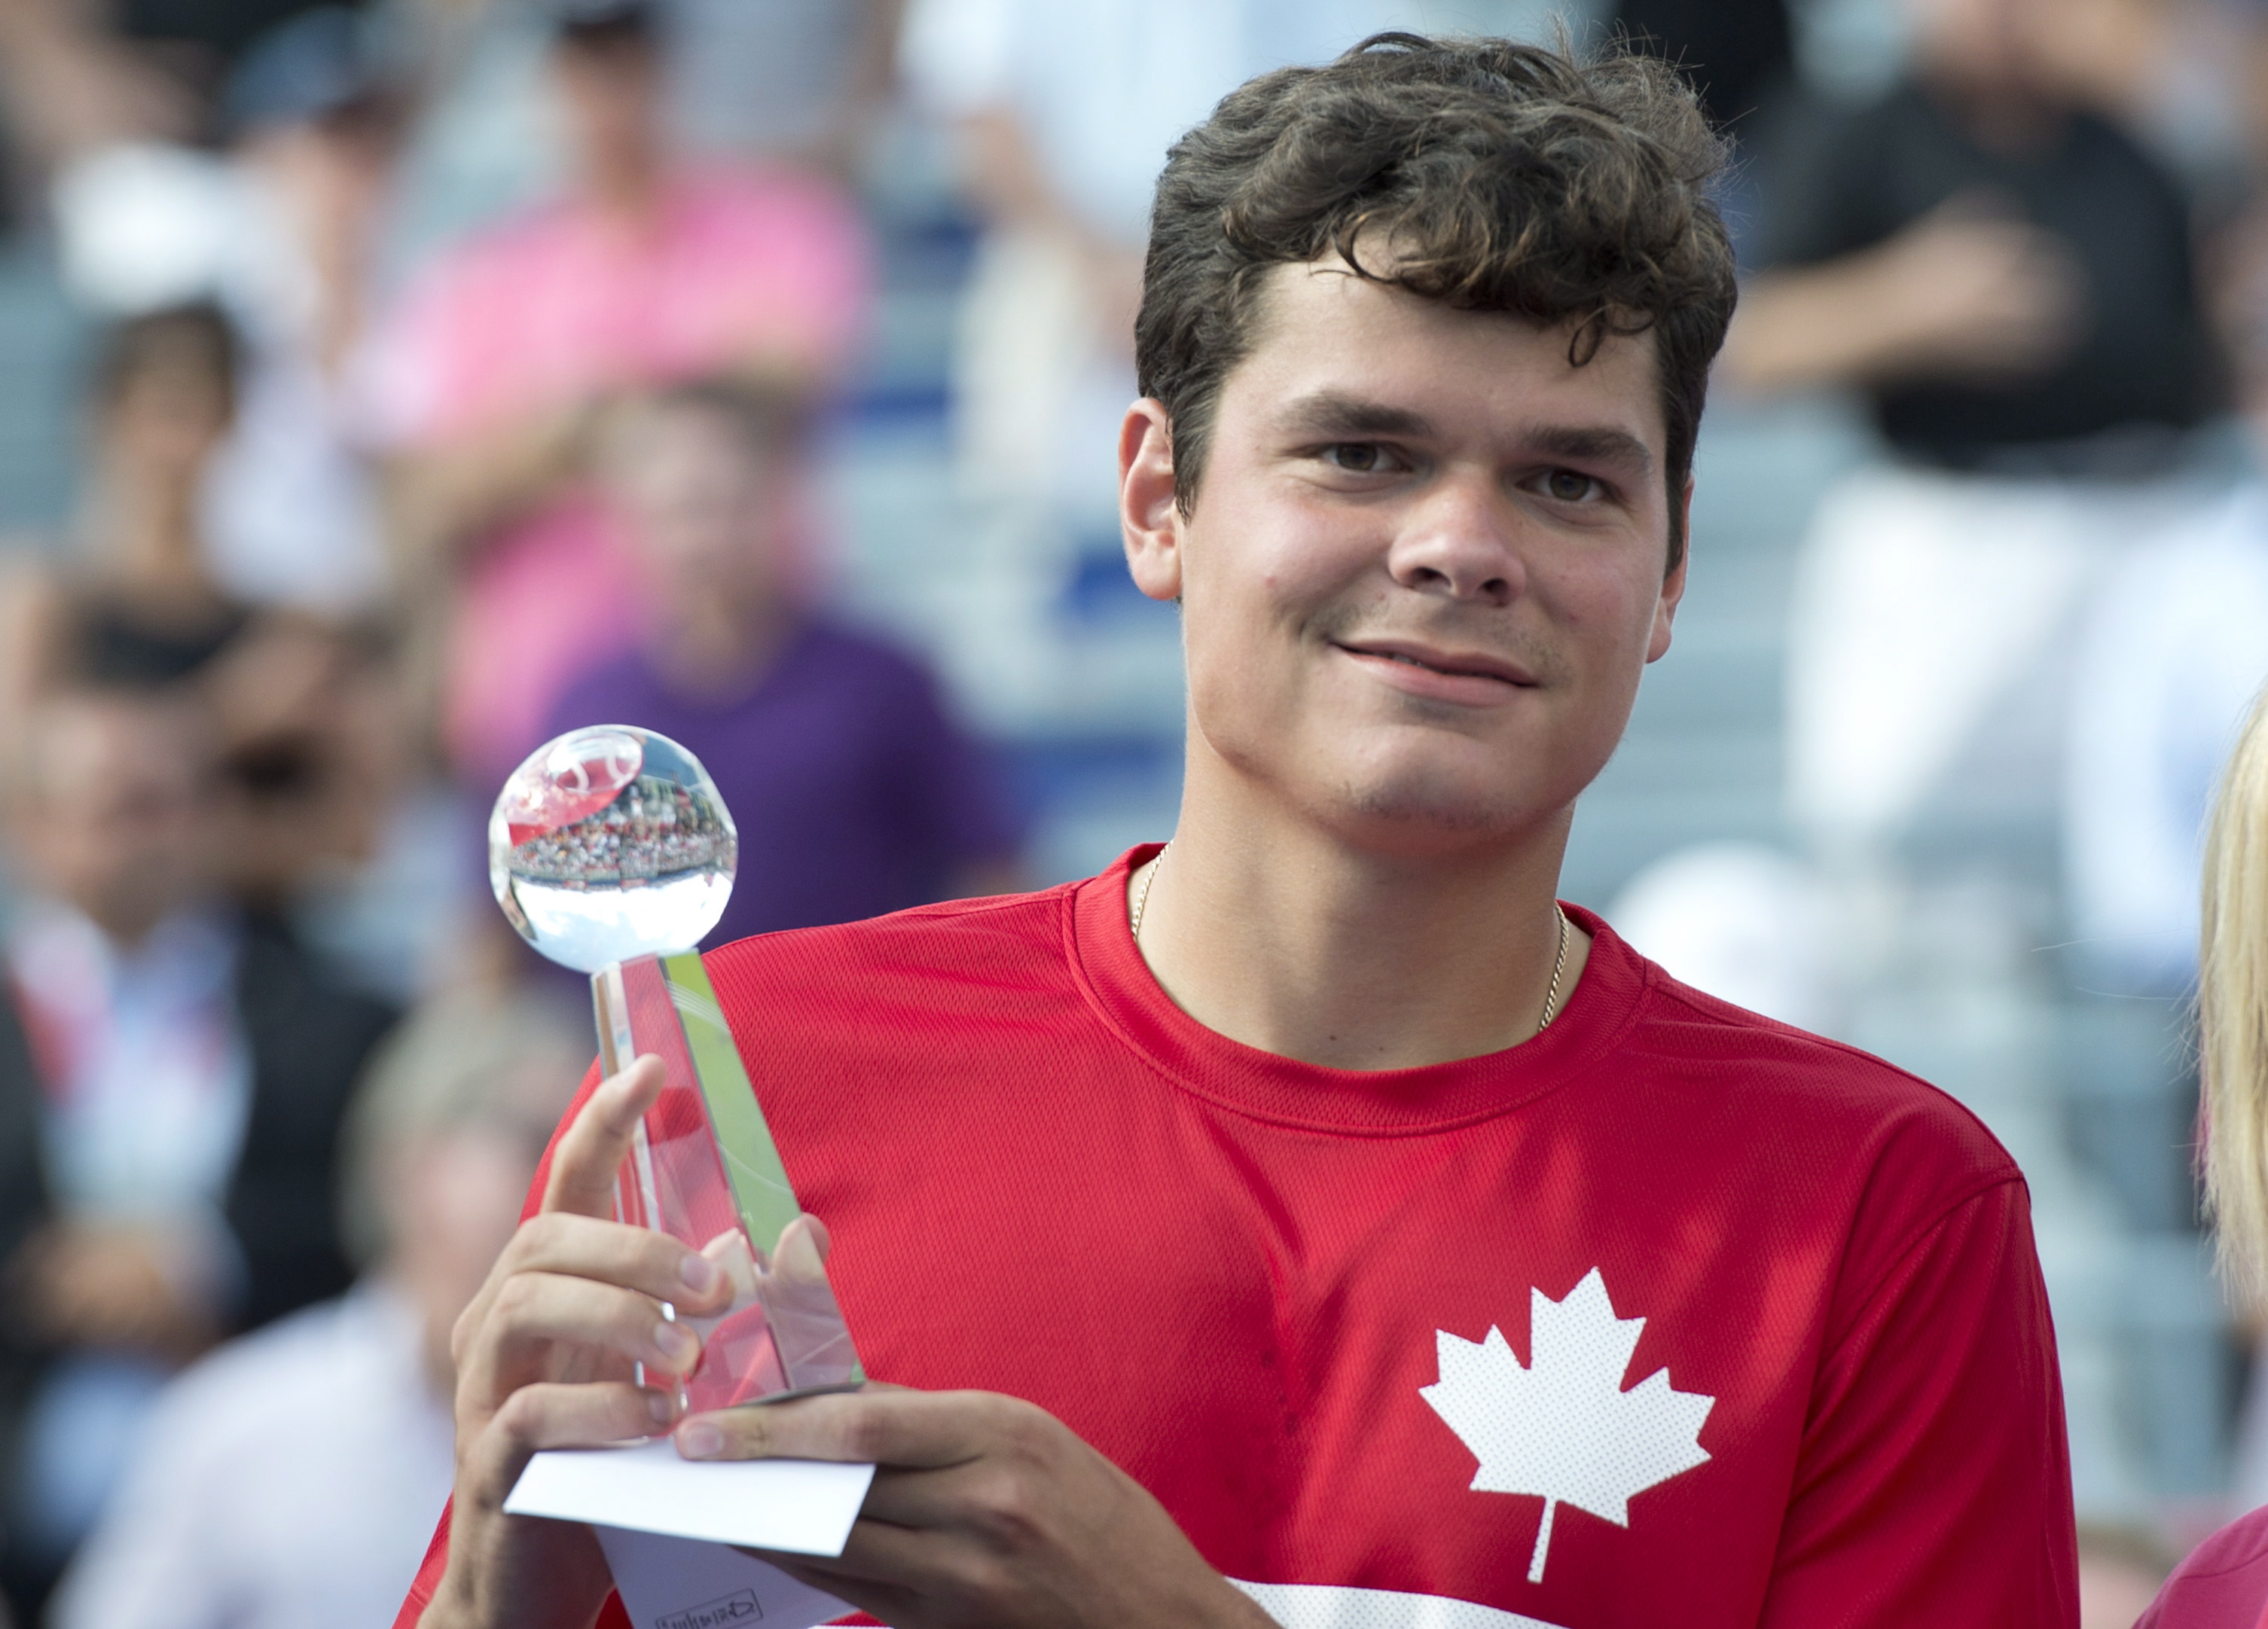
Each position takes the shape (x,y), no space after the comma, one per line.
(1934,1484)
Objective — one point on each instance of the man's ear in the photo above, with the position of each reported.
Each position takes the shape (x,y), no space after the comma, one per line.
(1672,584)
(1148,518)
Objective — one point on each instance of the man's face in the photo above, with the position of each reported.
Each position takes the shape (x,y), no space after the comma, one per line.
(707,510)
(1988,46)
(168,418)
(610,92)
(1426,564)
(118,817)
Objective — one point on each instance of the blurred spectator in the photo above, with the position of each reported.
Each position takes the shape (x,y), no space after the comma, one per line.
(290,1478)
(73,85)
(302,710)
(2171,653)
(172,1080)
(276,228)
(482,142)
(1063,110)
(801,80)
(134,599)
(854,793)
(1744,922)
(793,78)
(2006,275)
(290,514)
(207,37)
(1740,54)
(2003,271)
(312,755)
(492,376)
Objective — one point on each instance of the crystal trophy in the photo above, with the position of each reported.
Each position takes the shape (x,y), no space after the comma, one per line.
(611,852)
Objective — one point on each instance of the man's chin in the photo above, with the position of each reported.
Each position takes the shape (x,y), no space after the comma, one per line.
(1401,791)
(1418,815)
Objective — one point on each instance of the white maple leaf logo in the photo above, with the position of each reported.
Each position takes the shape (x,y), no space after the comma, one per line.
(1563,1429)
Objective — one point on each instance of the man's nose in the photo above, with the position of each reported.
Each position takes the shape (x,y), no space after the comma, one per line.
(1460,542)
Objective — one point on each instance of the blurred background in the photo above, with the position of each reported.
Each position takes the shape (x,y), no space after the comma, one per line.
(384,389)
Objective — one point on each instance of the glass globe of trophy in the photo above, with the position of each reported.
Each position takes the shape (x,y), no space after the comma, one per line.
(611,852)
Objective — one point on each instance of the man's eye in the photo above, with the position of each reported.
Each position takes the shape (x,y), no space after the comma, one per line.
(1570,486)
(1360,457)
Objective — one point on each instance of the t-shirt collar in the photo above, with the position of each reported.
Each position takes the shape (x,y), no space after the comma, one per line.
(1383,1102)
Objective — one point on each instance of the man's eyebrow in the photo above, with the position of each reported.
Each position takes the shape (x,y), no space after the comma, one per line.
(1329,412)
(1332,413)
(1600,444)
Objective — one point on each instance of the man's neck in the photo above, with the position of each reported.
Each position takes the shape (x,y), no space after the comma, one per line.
(626,190)
(146,532)
(719,652)
(1288,938)
(2014,122)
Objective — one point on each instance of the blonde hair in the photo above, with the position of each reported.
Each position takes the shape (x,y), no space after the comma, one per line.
(2233,1010)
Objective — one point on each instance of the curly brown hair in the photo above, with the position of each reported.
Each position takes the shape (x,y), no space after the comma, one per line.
(1503,176)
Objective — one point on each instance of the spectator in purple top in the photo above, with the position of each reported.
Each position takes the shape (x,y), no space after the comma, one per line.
(854,793)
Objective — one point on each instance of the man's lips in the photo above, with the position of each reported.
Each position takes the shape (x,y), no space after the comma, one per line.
(1450,664)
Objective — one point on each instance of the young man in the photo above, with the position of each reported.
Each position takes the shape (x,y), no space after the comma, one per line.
(1312,1221)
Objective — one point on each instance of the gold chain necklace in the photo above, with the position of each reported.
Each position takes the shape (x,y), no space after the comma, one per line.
(1141,900)
(1559,966)
(1550,996)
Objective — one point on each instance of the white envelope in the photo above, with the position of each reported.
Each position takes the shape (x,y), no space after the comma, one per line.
(804,1506)
(684,1583)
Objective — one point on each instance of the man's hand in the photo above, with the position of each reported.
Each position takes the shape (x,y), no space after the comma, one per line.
(1968,293)
(113,1284)
(1971,294)
(986,1510)
(987,1513)
(544,1359)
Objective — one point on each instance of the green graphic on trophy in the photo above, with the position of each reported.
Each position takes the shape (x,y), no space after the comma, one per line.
(611,852)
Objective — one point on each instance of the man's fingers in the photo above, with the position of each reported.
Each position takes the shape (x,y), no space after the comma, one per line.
(890,1427)
(593,1149)
(615,1253)
(611,1252)
(878,1554)
(535,1311)
(558,1415)
(955,1496)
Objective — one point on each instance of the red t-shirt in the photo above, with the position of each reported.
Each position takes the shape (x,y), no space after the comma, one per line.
(1354,1330)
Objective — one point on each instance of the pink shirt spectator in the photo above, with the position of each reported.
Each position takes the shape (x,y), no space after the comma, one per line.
(2222,1585)
(739,267)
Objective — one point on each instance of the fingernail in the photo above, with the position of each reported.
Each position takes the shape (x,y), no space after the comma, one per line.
(675,1342)
(699,1274)
(700,1441)
(662,1405)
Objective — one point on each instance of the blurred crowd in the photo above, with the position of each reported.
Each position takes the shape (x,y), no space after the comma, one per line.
(464,372)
